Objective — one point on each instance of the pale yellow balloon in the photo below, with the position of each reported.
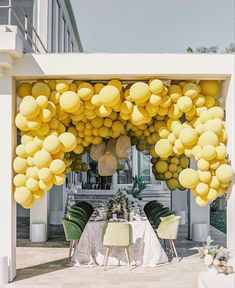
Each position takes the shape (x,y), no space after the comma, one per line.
(138,115)
(103,111)
(204,176)
(224,173)
(38,194)
(127,107)
(45,115)
(57,166)
(70,101)
(43,130)
(202,188)
(208,137)
(191,90)
(188,136)
(59,179)
(29,108)
(208,152)
(31,148)
(188,178)
(62,86)
(52,144)
(20,165)
(155,99)
(175,92)
(32,184)
(203,165)
(98,87)
(42,101)
(109,96)
(184,103)
(212,194)
(20,180)
(68,141)
(116,83)
(140,92)
(221,152)
(45,174)
(156,86)
(45,186)
(32,172)
(217,112)
(201,200)
(85,91)
(34,123)
(42,159)
(163,148)
(174,112)
(20,151)
(21,122)
(22,195)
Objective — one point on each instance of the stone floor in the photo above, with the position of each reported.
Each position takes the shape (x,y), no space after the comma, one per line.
(45,265)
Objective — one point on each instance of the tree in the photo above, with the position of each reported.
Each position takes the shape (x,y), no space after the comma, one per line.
(230,48)
(203,49)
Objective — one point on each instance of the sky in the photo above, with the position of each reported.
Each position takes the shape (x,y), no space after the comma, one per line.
(154,26)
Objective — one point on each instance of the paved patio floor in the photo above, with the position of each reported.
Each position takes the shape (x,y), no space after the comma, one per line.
(46,266)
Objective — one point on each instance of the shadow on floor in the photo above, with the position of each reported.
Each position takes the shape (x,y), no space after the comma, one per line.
(41,269)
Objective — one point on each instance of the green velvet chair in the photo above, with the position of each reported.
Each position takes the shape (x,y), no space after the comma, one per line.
(155,212)
(86,206)
(147,205)
(79,221)
(168,230)
(152,208)
(117,235)
(79,210)
(157,220)
(78,215)
(72,234)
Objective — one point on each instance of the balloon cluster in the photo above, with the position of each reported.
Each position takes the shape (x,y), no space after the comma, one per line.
(60,120)
(169,170)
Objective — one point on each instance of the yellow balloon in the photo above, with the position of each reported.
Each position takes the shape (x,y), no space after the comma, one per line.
(24,89)
(21,122)
(208,152)
(40,88)
(31,148)
(85,91)
(203,165)
(59,179)
(20,165)
(209,87)
(140,92)
(212,194)
(52,144)
(127,107)
(109,96)
(103,111)
(42,101)
(68,141)
(208,137)
(138,115)
(62,86)
(161,166)
(156,86)
(201,200)
(20,180)
(45,186)
(191,90)
(38,194)
(45,174)
(32,184)
(57,166)
(204,176)
(184,161)
(175,92)
(172,184)
(188,136)
(163,148)
(116,83)
(20,151)
(188,178)
(184,103)
(202,188)
(224,173)
(22,195)
(29,108)
(70,101)
(42,159)
(32,172)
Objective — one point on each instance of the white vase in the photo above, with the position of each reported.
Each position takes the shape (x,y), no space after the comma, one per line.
(212,270)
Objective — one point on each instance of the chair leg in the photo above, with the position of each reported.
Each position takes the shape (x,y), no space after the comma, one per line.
(127,256)
(173,245)
(106,257)
(70,250)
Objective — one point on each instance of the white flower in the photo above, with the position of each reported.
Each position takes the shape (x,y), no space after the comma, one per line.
(206,251)
(208,259)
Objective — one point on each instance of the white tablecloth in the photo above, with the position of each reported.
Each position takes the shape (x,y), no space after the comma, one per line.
(206,280)
(146,249)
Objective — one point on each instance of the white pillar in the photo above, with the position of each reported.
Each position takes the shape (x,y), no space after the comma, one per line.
(196,214)
(7,147)
(228,91)
(40,211)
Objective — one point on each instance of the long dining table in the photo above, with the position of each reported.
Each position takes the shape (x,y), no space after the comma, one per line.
(146,249)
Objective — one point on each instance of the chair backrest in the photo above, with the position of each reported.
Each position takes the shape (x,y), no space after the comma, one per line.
(149,204)
(117,234)
(153,207)
(157,220)
(78,215)
(155,213)
(80,210)
(79,221)
(168,228)
(71,230)
(86,205)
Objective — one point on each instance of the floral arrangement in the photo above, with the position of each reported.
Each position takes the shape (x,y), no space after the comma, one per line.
(215,256)
(118,205)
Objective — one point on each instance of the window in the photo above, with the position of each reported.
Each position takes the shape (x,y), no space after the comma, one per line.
(55,26)
(124,172)
(63,34)
(68,41)
(144,166)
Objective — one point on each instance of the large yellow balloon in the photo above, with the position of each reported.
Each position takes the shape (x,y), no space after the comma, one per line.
(209,87)
(45,174)
(29,108)
(140,92)
(188,178)
(22,195)
(188,136)
(42,159)
(24,89)
(68,141)
(109,95)
(224,173)
(52,144)
(20,180)
(20,165)
(40,88)
(70,101)
(163,148)
(57,166)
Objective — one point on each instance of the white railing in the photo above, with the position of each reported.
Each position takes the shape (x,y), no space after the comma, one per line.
(24,26)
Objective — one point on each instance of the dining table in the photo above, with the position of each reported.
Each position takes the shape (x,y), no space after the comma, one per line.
(145,250)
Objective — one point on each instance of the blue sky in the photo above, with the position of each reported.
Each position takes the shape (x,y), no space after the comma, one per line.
(154,25)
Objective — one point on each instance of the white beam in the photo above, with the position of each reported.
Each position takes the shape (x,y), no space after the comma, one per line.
(7,147)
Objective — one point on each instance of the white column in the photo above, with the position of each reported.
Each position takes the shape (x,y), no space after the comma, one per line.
(228,91)
(197,214)
(7,147)
(40,211)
